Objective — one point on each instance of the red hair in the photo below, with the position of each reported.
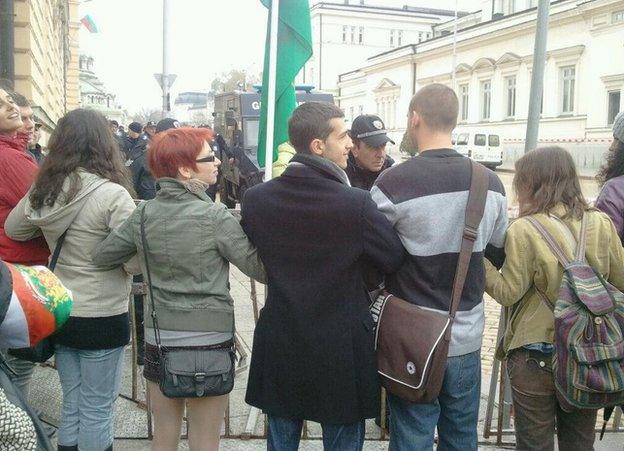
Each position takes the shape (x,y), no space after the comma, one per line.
(176,148)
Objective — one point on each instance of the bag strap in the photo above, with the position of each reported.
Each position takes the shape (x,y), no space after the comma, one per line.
(149,280)
(479,185)
(57,251)
(580,244)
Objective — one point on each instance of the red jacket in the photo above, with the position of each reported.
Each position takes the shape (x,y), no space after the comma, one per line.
(17,173)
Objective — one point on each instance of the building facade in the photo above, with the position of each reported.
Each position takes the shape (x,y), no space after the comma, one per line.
(194,108)
(46,57)
(583,80)
(345,34)
(94,95)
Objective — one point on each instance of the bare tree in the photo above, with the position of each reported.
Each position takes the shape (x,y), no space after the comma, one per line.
(146,114)
(235,79)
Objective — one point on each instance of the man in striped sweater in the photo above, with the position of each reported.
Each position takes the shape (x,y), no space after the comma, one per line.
(425,199)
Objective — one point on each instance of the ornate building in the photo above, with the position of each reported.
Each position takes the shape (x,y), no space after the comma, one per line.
(94,95)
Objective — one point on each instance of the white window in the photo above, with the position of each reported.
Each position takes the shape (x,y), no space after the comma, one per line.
(344,34)
(510,87)
(614,106)
(391,38)
(568,75)
(351,111)
(463,94)
(486,99)
(400,38)
(512,6)
(361,35)
(617,16)
(428,35)
(361,110)
(420,36)
(352,35)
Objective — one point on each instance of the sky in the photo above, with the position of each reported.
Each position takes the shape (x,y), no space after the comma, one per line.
(208,37)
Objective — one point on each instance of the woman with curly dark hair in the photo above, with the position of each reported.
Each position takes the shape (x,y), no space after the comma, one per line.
(611,178)
(79,196)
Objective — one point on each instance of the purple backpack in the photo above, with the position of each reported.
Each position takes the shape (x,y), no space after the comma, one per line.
(588,362)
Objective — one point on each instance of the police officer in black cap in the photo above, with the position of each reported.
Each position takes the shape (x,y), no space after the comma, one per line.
(368,157)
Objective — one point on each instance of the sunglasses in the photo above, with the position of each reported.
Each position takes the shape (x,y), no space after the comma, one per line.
(208,159)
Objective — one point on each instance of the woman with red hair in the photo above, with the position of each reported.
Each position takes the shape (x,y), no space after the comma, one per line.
(186,243)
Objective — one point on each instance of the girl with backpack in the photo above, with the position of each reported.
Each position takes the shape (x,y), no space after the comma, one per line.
(549,193)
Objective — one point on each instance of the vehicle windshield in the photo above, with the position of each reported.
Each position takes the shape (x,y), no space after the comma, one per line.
(462,139)
(250,130)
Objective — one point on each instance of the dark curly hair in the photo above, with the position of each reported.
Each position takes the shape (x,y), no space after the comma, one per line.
(614,166)
(82,139)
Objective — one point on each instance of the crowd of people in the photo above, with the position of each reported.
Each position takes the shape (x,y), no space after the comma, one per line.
(339,225)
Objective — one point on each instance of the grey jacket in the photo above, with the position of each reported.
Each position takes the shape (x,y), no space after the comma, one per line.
(99,207)
(191,241)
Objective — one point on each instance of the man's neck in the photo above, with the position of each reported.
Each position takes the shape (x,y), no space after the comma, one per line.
(438,141)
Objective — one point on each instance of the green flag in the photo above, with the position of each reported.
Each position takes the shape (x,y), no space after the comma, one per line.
(294,47)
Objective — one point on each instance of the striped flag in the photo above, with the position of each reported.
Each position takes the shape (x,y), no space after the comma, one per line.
(89,24)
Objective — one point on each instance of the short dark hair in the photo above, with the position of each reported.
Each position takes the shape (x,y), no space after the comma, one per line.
(20,100)
(310,121)
(113,122)
(438,107)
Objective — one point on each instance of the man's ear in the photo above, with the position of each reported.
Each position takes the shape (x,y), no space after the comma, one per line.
(414,119)
(317,147)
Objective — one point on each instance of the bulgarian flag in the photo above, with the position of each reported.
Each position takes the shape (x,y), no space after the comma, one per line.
(288,47)
(89,24)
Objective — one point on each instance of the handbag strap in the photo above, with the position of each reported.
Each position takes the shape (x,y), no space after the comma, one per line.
(149,280)
(477,196)
(57,251)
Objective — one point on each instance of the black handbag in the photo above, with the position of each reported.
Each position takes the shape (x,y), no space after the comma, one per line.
(43,350)
(188,373)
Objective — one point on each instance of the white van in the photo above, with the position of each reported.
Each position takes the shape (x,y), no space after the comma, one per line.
(482,146)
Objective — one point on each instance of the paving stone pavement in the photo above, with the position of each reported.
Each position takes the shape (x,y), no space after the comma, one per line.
(131,418)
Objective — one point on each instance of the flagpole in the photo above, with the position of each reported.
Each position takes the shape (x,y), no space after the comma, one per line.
(270,126)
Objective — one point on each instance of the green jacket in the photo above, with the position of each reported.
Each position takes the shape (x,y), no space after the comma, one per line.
(529,263)
(191,241)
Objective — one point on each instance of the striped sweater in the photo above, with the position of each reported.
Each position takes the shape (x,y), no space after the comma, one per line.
(425,199)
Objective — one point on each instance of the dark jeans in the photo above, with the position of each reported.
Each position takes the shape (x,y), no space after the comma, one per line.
(536,409)
(284,435)
(455,412)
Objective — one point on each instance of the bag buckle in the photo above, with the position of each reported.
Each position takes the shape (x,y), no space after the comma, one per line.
(470,233)
(199,377)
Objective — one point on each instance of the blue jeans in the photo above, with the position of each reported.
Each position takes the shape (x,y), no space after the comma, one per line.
(455,412)
(90,381)
(284,435)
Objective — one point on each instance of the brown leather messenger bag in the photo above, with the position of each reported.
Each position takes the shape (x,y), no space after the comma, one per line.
(412,342)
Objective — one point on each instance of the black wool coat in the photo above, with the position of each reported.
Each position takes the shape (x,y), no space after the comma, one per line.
(313,353)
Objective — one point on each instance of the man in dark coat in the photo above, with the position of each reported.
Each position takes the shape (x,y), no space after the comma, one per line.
(313,354)
(136,160)
(368,158)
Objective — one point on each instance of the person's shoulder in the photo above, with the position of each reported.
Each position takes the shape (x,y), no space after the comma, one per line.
(112,192)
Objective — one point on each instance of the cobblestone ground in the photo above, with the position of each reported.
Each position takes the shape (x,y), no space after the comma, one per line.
(131,419)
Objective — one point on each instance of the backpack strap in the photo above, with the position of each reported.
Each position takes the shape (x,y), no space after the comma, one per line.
(580,244)
(550,241)
(580,249)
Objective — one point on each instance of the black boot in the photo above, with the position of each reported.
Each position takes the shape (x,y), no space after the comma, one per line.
(67,448)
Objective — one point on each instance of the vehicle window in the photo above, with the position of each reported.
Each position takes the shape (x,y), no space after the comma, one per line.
(493,140)
(462,139)
(479,140)
(250,130)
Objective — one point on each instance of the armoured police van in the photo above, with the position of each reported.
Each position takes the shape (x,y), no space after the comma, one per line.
(237,120)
